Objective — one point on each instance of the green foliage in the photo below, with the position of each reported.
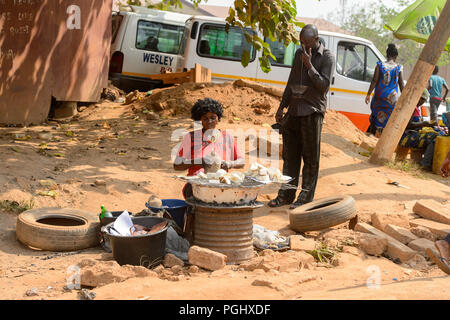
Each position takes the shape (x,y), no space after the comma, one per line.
(275,19)
(15,206)
(368,22)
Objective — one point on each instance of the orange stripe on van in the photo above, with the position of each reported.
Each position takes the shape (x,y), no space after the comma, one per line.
(229,76)
(349,91)
(361,121)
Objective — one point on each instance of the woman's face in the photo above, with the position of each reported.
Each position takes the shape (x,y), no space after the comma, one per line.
(209,120)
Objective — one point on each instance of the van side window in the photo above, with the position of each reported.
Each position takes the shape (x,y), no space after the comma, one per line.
(356,61)
(284,55)
(215,42)
(159,37)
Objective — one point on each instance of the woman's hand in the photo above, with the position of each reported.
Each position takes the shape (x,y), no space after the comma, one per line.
(279,115)
(368,99)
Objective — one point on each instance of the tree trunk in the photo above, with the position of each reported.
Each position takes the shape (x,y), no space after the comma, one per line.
(413,90)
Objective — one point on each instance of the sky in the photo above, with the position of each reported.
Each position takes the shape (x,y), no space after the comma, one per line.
(309,8)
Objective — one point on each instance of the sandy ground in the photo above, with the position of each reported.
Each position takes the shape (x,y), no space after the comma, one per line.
(117,145)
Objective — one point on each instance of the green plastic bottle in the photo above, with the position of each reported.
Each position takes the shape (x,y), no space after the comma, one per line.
(105,213)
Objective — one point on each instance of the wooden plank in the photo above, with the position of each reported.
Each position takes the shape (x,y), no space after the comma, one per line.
(432,210)
(441,230)
(413,90)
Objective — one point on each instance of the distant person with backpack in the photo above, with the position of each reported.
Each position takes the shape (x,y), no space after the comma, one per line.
(435,85)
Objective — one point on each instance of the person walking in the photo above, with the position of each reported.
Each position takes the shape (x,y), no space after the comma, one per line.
(305,96)
(387,79)
(435,85)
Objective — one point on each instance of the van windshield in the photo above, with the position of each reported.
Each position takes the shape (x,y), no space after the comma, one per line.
(159,37)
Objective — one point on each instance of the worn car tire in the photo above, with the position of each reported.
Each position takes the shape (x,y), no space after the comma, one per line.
(52,237)
(322,213)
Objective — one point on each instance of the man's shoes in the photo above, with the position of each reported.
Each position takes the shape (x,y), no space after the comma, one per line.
(297,204)
(277,202)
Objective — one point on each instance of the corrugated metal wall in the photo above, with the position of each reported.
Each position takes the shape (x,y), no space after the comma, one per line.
(48,48)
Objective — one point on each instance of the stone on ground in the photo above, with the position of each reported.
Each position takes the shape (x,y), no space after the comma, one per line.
(401,234)
(432,210)
(171,260)
(395,249)
(439,229)
(99,273)
(206,258)
(420,245)
(373,245)
(381,220)
(422,232)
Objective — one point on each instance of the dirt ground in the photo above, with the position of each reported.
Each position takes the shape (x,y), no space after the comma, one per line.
(112,154)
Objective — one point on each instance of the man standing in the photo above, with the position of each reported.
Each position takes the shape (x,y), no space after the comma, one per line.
(306,98)
(435,85)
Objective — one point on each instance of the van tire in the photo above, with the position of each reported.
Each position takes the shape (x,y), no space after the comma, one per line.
(51,237)
(322,214)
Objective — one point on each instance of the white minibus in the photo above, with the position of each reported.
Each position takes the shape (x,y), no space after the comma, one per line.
(209,45)
(145,42)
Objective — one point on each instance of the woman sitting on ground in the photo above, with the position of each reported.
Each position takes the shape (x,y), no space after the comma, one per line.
(207,149)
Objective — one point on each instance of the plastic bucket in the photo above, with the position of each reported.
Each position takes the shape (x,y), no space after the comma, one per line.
(144,250)
(107,220)
(177,209)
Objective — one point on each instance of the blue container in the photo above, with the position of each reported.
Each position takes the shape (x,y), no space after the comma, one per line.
(177,209)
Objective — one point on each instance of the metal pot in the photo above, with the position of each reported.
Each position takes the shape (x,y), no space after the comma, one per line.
(225,194)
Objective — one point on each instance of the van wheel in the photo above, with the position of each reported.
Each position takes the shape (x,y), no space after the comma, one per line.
(56,229)
(322,214)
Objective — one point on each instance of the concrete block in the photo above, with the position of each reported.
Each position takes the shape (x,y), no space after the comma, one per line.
(401,234)
(432,210)
(206,258)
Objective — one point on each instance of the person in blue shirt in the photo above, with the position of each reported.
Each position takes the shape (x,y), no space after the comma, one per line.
(435,85)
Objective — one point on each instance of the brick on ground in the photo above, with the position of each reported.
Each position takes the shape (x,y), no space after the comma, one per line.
(432,210)
(439,229)
(395,249)
(422,232)
(422,244)
(401,234)
(206,258)
(381,220)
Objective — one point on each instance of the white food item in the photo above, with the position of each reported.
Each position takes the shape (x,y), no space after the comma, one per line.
(202,175)
(214,181)
(225,179)
(220,173)
(237,177)
(263,178)
(263,172)
(211,175)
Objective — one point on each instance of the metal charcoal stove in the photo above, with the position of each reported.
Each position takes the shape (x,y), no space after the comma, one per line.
(225,228)
(224,217)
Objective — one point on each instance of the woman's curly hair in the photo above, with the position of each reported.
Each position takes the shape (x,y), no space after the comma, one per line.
(203,106)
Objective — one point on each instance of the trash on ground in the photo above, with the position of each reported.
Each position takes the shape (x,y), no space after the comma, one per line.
(268,239)
(395,183)
(177,245)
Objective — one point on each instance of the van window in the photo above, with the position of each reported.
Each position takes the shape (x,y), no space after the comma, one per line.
(356,61)
(116,22)
(159,37)
(215,42)
(284,55)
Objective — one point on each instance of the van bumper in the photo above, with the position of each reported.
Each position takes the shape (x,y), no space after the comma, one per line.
(131,83)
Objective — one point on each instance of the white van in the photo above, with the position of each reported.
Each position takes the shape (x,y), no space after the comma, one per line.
(209,45)
(145,42)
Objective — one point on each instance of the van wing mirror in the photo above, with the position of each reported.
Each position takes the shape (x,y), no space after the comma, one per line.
(194,30)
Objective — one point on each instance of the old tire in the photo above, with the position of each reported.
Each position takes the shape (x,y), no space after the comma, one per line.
(322,213)
(56,229)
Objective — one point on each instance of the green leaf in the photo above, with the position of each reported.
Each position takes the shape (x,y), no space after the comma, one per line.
(245,58)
